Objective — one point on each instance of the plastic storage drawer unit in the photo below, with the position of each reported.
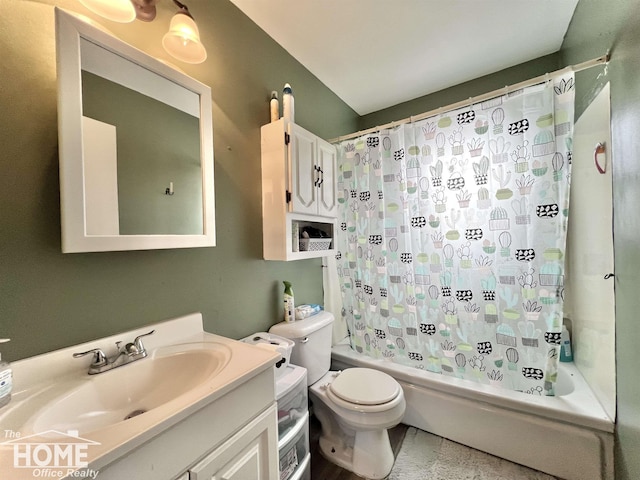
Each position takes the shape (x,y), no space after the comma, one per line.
(293,450)
(291,394)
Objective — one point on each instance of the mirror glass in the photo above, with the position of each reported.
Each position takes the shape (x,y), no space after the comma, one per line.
(136,146)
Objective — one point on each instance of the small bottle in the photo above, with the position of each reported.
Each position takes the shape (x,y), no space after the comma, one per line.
(288,110)
(566,355)
(274,107)
(289,304)
(6,379)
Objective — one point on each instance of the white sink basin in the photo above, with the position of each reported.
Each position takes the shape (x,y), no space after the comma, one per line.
(115,396)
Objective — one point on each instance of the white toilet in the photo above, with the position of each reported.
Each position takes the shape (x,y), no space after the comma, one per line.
(355,407)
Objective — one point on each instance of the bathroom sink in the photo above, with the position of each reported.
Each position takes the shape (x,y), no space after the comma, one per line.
(190,381)
(105,399)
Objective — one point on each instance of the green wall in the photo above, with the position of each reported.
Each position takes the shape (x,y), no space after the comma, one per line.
(49,300)
(479,86)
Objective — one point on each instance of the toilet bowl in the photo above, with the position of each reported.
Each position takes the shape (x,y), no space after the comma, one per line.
(355,407)
(355,420)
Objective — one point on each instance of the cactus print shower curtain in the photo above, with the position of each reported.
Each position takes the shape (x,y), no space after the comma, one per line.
(451,244)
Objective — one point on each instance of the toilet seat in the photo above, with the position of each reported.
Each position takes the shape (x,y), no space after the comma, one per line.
(365,386)
(385,386)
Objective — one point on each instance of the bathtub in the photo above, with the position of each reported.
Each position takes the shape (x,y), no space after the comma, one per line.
(568,436)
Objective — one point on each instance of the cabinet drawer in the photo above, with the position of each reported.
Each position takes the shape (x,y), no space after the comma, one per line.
(291,394)
(303,472)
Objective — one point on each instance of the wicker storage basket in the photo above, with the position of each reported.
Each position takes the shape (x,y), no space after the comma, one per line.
(314,244)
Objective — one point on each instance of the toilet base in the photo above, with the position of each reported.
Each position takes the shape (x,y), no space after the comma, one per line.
(370,456)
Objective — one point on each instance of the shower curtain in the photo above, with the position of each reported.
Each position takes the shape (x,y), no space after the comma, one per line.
(452,230)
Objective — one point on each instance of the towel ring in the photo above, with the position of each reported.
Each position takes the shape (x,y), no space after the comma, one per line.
(600,150)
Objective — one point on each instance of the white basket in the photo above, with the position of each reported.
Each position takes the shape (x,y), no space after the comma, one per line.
(314,244)
(269,341)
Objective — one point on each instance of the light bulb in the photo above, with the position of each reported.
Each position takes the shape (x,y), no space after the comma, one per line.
(121,11)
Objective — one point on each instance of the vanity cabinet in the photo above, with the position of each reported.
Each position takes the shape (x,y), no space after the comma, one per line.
(298,192)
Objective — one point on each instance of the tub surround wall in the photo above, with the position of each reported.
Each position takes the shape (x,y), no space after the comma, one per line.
(589,296)
(598,26)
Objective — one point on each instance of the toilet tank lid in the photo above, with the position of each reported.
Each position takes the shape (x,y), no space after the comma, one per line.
(302,328)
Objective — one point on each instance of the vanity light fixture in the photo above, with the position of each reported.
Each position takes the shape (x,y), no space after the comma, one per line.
(145,9)
(182,41)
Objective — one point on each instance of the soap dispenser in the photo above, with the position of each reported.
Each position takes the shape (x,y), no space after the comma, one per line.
(566,355)
(6,379)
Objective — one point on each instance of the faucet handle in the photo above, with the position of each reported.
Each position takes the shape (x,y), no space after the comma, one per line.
(99,358)
(138,341)
(128,348)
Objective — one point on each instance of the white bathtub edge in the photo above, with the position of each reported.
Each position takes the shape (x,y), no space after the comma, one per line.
(528,431)
(581,407)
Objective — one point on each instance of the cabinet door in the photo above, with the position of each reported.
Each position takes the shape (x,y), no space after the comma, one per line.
(251,454)
(303,164)
(327,175)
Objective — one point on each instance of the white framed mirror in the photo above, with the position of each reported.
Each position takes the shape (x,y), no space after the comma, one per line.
(135,144)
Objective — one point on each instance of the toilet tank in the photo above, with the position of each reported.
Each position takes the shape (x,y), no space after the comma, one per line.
(312,337)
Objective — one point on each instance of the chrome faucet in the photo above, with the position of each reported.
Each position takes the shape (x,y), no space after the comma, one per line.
(128,353)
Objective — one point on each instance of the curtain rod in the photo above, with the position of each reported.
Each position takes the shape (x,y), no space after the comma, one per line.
(479,98)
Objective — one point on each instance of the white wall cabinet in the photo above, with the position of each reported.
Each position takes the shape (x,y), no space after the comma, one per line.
(298,190)
(313,163)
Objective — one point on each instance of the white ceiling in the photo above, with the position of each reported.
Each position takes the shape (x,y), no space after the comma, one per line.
(378,53)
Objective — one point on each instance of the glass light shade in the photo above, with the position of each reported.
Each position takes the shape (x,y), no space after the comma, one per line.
(182,41)
(121,11)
